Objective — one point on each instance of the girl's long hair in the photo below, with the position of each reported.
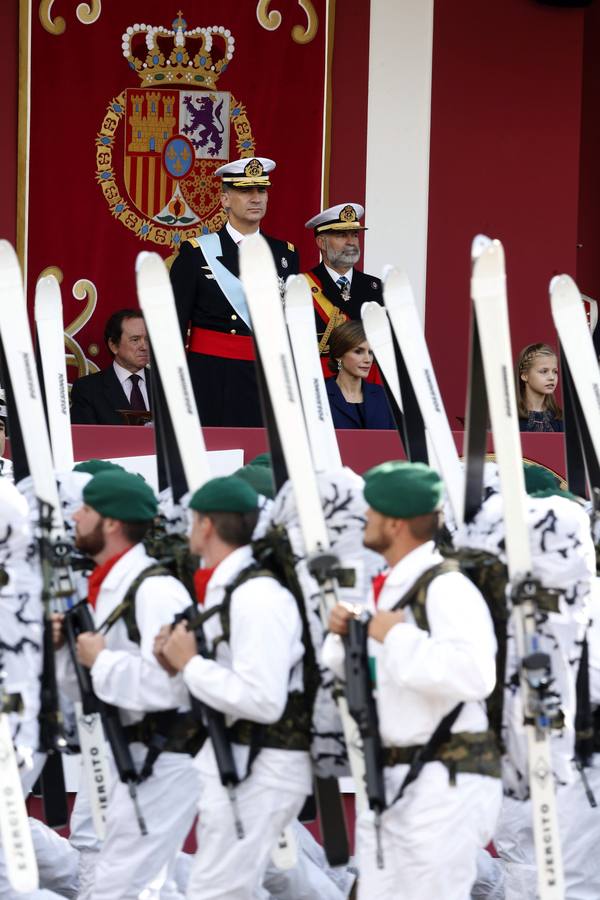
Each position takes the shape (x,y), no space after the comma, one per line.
(525,361)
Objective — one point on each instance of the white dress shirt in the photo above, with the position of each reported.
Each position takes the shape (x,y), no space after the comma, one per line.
(236,235)
(126,383)
(335,275)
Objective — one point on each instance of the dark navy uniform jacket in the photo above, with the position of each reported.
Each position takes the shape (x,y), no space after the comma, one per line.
(373,412)
(225,389)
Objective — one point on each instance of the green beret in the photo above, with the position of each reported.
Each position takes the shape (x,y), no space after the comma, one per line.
(403,490)
(260,477)
(538,478)
(263,459)
(93,466)
(226,494)
(117,494)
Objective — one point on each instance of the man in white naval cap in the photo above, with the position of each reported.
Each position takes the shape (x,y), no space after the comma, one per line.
(339,290)
(210,298)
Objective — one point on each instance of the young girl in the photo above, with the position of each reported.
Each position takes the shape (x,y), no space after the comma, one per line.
(537,377)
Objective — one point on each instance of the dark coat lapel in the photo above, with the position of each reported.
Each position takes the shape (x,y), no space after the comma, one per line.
(229,250)
(114,393)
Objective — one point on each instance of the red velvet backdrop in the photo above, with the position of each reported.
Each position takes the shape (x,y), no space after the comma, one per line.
(80,149)
(505,134)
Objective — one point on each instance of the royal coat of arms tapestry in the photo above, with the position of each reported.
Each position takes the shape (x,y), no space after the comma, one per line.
(133,106)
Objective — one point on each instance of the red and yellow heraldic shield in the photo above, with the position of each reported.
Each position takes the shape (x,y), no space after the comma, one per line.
(133,108)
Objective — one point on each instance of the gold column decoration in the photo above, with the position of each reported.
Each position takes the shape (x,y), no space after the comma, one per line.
(56,26)
(305,35)
(88,13)
(271,19)
(82,289)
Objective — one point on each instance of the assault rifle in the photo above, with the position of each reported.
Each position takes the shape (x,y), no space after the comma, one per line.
(213,720)
(78,620)
(362,708)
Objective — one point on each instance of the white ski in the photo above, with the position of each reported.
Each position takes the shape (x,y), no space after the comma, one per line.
(300,318)
(259,278)
(50,330)
(18,349)
(158,305)
(488,291)
(379,335)
(576,341)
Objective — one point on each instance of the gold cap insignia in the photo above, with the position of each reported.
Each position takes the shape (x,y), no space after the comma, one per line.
(254,169)
(348,214)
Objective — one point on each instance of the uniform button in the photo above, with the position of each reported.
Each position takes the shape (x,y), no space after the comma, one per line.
(233,331)
(234,317)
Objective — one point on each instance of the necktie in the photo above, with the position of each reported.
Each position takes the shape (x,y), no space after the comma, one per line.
(136,400)
(378,583)
(344,286)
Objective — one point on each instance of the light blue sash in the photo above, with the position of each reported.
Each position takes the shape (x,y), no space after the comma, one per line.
(227,281)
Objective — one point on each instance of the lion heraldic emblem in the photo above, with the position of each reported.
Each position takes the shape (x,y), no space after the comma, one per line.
(161,142)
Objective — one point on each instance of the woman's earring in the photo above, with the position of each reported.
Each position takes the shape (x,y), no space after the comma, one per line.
(339,362)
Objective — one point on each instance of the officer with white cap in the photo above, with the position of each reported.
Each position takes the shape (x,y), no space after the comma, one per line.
(339,290)
(210,298)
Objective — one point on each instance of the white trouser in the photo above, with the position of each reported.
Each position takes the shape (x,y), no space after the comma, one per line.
(579,827)
(311,877)
(224,867)
(57,867)
(430,838)
(129,861)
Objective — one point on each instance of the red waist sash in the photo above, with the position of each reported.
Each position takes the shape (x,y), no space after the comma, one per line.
(217,343)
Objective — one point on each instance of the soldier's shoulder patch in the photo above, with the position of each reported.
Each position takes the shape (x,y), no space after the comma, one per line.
(194,242)
(290,247)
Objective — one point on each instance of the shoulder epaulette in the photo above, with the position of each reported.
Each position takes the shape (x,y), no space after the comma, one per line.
(194,242)
(290,247)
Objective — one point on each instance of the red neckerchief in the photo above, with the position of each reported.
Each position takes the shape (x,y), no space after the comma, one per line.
(378,583)
(99,574)
(201,579)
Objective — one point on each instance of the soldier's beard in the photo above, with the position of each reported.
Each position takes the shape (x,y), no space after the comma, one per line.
(347,257)
(379,543)
(92,543)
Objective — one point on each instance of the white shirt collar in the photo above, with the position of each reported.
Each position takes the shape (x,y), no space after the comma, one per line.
(123,374)
(414,564)
(235,235)
(229,567)
(335,275)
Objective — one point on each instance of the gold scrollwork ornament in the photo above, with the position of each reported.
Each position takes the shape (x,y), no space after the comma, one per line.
(271,19)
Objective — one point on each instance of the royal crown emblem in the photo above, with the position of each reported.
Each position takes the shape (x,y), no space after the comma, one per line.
(171,132)
(348,214)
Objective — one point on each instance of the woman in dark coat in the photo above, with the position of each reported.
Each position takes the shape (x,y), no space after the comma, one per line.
(354,402)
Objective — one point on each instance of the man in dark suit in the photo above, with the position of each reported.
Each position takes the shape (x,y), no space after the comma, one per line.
(339,290)
(210,299)
(97,399)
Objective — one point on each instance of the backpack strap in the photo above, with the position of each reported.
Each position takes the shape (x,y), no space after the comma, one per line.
(126,608)
(416,596)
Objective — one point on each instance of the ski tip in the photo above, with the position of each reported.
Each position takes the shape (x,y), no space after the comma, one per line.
(142,257)
(490,263)
(564,292)
(48,299)
(297,292)
(9,261)
(479,243)
(257,266)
